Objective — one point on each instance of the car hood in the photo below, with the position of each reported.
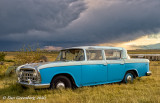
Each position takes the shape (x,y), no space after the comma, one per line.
(33,65)
(30,66)
(48,64)
(58,64)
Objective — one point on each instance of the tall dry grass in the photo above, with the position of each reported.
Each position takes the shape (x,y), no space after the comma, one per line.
(143,90)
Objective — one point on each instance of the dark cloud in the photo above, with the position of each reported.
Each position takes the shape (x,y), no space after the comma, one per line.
(122,20)
(69,23)
(24,16)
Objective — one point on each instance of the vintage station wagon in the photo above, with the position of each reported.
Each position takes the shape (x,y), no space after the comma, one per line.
(84,66)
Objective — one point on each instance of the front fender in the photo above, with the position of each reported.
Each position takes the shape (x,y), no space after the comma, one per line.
(48,73)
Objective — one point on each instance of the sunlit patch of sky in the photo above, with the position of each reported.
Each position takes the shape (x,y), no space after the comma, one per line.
(139,43)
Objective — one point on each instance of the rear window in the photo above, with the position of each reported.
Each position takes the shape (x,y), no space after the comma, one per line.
(94,55)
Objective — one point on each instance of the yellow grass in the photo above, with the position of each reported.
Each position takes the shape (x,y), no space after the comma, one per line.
(144,51)
(50,56)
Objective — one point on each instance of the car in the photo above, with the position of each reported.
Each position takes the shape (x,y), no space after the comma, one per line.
(83,66)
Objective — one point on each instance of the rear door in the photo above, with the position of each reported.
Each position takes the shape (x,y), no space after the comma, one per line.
(115,65)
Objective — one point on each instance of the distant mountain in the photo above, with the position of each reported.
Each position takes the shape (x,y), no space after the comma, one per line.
(153,46)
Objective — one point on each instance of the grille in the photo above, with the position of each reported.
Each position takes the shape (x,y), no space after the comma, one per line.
(27,74)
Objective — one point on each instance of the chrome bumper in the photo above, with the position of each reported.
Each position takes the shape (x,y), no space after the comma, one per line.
(149,73)
(35,86)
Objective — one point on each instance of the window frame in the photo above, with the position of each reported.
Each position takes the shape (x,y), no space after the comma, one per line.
(60,54)
(102,53)
(113,49)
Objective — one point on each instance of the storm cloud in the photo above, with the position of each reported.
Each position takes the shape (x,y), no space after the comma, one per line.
(121,20)
(75,22)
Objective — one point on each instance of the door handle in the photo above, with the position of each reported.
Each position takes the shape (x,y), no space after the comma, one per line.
(122,63)
(104,64)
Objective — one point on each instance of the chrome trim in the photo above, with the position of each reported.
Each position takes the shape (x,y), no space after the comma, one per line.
(60,85)
(29,67)
(35,86)
(39,76)
(149,73)
(28,74)
(129,78)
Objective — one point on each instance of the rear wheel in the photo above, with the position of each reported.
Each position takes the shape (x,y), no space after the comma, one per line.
(129,77)
(61,82)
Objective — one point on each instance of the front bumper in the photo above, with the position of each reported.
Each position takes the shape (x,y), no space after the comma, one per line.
(149,73)
(35,86)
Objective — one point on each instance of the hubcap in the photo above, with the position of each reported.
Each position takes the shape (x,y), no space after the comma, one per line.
(60,85)
(129,78)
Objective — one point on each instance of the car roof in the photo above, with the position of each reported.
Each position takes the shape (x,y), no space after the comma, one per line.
(124,53)
(95,47)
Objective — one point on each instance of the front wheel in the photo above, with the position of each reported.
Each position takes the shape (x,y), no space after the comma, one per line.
(129,77)
(61,82)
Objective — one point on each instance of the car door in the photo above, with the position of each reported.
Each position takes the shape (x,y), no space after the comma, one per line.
(115,65)
(94,69)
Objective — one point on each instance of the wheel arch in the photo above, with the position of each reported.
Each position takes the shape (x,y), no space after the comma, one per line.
(134,71)
(69,76)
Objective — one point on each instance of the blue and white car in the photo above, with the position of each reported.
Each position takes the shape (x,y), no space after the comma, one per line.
(84,66)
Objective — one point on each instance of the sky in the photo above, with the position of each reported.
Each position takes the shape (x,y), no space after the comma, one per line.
(56,24)
(151,41)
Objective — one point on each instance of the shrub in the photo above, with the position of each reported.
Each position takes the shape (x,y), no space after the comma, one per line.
(29,55)
(2,56)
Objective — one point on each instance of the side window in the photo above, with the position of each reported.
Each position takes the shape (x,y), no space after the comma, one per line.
(112,54)
(94,55)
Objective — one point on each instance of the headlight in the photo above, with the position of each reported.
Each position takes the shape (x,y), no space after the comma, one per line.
(19,79)
(34,74)
(18,69)
(20,73)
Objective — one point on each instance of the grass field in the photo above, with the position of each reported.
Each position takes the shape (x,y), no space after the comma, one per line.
(50,55)
(144,51)
(142,90)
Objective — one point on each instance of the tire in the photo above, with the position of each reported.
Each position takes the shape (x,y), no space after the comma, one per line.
(61,82)
(129,77)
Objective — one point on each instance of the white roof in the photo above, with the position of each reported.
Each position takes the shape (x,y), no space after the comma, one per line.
(95,47)
(124,53)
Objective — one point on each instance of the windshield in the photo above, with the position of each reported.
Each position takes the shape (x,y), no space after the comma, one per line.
(71,55)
